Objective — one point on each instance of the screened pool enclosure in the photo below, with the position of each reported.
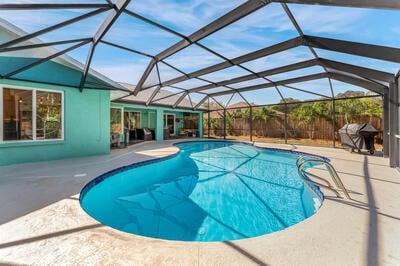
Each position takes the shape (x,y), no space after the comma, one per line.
(220,57)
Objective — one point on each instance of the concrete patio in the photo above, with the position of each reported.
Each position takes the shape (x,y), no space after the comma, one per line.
(42,223)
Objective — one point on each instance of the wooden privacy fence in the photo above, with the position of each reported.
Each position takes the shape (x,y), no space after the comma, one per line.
(274,127)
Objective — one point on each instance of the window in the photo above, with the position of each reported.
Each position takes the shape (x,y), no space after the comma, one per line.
(131,120)
(116,120)
(17,114)
(48,115)
(169,122)
(30,114)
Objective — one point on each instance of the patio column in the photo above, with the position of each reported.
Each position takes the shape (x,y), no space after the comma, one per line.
(200,124)
(385,130)
(224,123)
(394,123)
(286,123)
(159,124)
(333,122)
(251,123)
(209,123)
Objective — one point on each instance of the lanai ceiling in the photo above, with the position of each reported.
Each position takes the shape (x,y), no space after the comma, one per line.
(185,54)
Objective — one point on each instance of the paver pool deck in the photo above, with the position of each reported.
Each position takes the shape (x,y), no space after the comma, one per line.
(42,223)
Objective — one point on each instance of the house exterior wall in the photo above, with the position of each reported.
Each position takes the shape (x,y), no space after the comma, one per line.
(158,117)
(86,127)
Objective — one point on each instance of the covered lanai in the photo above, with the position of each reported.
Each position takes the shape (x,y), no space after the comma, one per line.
(74,72)
(215,55)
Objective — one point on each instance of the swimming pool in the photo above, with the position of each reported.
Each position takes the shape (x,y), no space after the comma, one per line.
(209,191)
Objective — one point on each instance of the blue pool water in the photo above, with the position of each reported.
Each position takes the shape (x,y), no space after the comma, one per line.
(209,191)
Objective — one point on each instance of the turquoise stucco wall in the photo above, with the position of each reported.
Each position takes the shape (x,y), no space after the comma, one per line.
(200,125)
(159,124)
(86,128)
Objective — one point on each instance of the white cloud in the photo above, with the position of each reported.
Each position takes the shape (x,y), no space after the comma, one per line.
(30,20)
(228,49)
(297,73)
(187,16)
(260,29)
(129,73)
(270,17)
(249,83)
(226,73)
(167,73)
(193,62)
(334,20)
(396,29)
(191,83)
(192,58)
(34,20)
(280,59)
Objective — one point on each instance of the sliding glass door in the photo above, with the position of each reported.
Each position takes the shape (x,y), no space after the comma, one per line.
(131,120)
(169,122)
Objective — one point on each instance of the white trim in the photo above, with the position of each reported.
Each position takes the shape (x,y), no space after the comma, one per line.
(140,117)
(62,112)
(122,118)
(30,141)
(165,124)
(34,112)
(62,115)
(1,114)
(18,87)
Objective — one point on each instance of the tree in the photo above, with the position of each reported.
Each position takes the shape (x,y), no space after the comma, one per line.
(371,108)
(351,108)
(228,123)
(308,113)
(262,114)
(291,104)
(212,105)
(237,115)
(213,124)
(349,94)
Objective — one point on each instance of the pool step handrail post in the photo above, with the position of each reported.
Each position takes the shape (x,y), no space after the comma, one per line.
(307,159)
(337,179)
(306,176)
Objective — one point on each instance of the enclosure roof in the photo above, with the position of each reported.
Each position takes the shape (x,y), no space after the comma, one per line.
(10,31)
(208,54)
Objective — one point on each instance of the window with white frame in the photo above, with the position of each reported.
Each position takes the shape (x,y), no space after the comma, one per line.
(116,120)
(31,114)
(131,120)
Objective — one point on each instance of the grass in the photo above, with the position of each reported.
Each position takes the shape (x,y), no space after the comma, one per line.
(307,141)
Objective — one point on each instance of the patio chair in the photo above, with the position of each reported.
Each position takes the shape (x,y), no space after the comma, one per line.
(183,132)
(114,140)
(143,134)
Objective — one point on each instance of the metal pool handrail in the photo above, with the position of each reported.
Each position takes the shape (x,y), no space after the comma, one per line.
(307,159)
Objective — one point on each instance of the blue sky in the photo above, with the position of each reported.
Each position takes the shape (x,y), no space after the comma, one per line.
(263,28)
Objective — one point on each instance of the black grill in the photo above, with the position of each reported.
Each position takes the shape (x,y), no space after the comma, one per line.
(358,137)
